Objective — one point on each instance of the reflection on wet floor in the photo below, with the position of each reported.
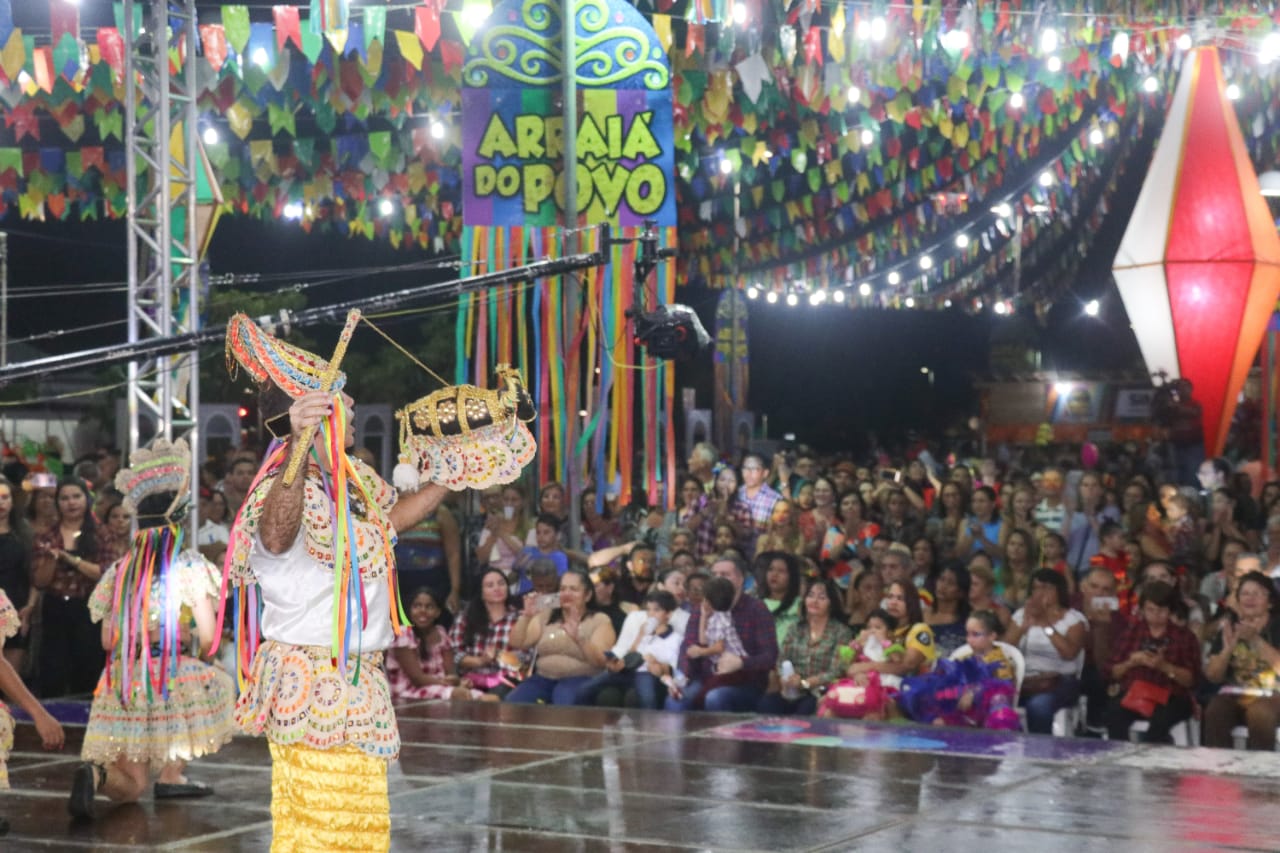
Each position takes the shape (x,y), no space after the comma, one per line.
(530,778)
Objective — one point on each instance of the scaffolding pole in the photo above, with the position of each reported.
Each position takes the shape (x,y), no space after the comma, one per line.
(162,244)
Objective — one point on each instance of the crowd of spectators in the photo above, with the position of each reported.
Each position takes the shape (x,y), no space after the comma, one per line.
(792,583)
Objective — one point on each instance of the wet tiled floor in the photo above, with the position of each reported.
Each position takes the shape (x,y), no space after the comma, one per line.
(521,778)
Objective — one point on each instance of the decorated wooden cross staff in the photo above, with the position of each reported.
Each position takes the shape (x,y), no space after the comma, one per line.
(330,377)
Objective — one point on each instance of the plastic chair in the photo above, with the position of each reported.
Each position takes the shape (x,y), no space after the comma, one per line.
(1011,652)
(1185,733)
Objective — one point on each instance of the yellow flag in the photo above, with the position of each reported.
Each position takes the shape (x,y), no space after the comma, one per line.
(14,55)
(410,48)
(662,28)
(239,119)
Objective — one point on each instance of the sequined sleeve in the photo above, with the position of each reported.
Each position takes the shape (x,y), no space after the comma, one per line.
(103,597)
(379,489)
(9,620)
(197,578)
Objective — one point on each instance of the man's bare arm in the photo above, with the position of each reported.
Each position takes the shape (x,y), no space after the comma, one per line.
(281,515)
(282,508)
(415,506)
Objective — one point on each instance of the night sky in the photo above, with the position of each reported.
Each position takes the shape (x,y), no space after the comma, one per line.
(825,373)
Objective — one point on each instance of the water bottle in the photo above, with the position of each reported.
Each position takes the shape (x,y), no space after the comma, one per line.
(786,671)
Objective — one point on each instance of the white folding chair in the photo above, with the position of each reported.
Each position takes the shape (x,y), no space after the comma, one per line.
(1014,654)
(1185,733)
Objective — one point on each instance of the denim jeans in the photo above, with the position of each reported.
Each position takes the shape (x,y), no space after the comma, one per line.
(1042,706)
(738,698)
(537,688)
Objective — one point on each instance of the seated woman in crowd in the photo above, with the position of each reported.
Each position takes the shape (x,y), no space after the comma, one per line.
(849,539)
(1018,567)
(982,584)
(687,516)
(1154,666)
(982,532)
(1019,514)
(505,528)
(569,641)
(421,664)
(1245,658)
(944,526)
(864,596)
(778,586)
(482,653)
(913,634)
(950,589)
(782,533)
(924,562)
(716,525)
(815,521)
(1051,637)
(812,647)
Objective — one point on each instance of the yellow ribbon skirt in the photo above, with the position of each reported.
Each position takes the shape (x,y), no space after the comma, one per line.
(326,800)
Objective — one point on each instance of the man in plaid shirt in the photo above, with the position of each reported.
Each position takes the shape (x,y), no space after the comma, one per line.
(737,682)
(754,505)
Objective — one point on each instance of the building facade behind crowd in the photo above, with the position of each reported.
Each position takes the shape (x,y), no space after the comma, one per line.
(1114,583)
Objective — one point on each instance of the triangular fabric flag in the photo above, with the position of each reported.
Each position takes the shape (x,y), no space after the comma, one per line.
(426,25)
(235,20)
(328,16)
(212,36)
(410,48)
(312,44)
(753,72)
(288,26)
(14,55)
(375,25)
(662,29)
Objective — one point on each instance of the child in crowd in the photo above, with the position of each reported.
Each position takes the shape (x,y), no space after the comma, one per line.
(695,589)
(1053,553)
(716,634)
(975,689)
(866,695)
(1113,557)
(421,665)
(546,545)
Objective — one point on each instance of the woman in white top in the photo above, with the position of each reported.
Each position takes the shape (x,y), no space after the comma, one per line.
(1051,637)
(214,528)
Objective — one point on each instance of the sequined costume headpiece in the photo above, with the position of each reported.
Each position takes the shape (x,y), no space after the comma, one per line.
(163,467)
(269,359)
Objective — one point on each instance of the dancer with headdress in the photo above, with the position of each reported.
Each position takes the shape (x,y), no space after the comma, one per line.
(312,577)
(156,706)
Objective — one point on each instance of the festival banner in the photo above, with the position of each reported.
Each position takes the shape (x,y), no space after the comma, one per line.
(513,129)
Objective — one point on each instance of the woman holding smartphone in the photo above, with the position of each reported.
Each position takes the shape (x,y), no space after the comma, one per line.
(569,642)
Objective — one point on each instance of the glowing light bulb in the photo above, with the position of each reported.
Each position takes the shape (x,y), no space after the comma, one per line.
(1017,101)
(1233,92)
(210,136)
(1046,178)
(1096,136)
(792,300)
(1184,41)
(386,207)
(1049,40)
(726,166)
(926,262)
(437,129)
(771,297)
(1000,308)
(864,289)
(879,29)
(894,278)
(1120,46)
(1054,64)
(868,137)
(855,94)
(838,297)
(910,302)
(1151,84)
(1091,308)
(739,13)
(293,210)
(752,293)
(962,241)
(260,57)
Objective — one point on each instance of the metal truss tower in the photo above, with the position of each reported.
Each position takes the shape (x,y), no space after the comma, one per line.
(160,82)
